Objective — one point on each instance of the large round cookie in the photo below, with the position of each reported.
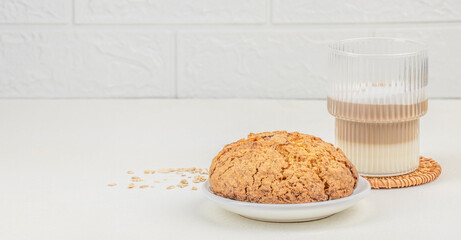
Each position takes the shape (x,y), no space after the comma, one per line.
(281,167)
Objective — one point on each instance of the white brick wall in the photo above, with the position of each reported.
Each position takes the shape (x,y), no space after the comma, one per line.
(170,11)
(275,64)
(86,64)
(34,11)
(206,48)
(365,11)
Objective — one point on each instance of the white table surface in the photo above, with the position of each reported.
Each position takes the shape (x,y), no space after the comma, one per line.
(57,157)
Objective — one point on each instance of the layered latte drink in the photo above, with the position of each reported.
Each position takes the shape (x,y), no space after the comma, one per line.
(378,94)
(379,145)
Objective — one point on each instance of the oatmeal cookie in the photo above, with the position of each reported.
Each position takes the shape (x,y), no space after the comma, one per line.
(282,167)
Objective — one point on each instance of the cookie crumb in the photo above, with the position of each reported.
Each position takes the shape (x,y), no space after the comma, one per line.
(171,187)
(143,186)
(156,181)
(131,185)
(149,171)
(194,188)
(184,181)
(130,172)
(112,184)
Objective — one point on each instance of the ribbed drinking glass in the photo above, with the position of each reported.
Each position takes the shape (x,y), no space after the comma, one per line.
(377,93)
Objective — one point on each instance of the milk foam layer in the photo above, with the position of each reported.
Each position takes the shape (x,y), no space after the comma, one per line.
(381,93)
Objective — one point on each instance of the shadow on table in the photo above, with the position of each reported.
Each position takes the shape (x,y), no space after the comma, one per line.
(358,214)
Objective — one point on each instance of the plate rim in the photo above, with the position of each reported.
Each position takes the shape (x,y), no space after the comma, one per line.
(355,195)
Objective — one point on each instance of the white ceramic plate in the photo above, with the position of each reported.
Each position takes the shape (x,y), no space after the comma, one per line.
(299,212)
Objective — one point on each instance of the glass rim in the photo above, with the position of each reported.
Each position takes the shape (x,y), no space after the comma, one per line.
(421,47)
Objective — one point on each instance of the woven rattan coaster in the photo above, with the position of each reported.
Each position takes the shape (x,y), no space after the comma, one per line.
(427,171)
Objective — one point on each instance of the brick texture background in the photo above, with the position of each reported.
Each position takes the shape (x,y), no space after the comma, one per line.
(207,48)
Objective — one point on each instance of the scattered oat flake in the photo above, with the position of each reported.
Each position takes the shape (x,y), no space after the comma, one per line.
(198,179)
(136,179)
(112,184)
(198,175)
(194,188)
